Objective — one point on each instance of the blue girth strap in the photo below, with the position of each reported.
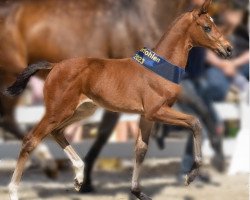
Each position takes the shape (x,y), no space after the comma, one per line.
(159,65)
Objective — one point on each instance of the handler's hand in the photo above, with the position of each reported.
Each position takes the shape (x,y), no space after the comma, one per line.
(229,68)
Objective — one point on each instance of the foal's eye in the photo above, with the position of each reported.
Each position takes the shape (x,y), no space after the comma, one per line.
(207,29)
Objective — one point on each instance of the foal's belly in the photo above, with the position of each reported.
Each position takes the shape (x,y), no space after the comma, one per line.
(118,104)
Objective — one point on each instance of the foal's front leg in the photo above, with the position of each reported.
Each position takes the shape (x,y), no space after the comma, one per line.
(172,117)
(140,152)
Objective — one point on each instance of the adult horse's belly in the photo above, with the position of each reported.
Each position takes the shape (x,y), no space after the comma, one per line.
(46,40)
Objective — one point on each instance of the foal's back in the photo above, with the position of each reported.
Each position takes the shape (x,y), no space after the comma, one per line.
(107,82)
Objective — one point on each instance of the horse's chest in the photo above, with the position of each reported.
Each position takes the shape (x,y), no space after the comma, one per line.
(174,92)
(165,89)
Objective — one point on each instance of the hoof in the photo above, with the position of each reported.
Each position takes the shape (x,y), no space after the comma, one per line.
(86,188)
(140,195)
(77,185)
(189,178)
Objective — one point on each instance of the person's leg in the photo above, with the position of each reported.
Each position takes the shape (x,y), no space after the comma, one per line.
(133,126)
(244,70)
(122,131)
(214,87)
(160,132)
(74,132)
(188,157)
(217,84)
(189,102)
(241,83)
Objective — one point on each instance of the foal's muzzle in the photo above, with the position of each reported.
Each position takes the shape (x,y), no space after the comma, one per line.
(225,51)
(229,50)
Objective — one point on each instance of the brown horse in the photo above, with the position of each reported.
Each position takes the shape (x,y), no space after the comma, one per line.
(120,85)
(53,30)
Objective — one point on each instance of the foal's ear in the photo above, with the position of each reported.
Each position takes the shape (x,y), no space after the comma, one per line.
(205,7)
(202,10)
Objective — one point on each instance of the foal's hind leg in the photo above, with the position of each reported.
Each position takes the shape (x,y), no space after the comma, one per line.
(140,152)
(30,142)
(85,109)
(77,162)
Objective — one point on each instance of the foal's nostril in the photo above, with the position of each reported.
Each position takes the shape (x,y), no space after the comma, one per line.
(229,49)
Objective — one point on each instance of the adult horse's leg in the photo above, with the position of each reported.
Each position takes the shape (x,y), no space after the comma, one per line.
(13,60)
(105,129)
(7,107)
(77,162)
(141,148)
(7,122)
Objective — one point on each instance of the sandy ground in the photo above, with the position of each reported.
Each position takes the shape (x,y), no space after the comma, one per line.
(159,182)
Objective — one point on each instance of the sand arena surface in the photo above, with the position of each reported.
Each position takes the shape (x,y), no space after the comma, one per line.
(159,182)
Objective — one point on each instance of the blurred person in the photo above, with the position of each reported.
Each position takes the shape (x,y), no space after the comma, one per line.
(36,90)
(218,77)
(221,74)
(127,127)
(191,101)
(74,132)
(195,3)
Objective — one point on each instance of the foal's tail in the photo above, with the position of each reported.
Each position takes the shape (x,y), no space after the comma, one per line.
(23,78)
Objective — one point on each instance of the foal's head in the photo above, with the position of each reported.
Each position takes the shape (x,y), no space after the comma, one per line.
(203,32)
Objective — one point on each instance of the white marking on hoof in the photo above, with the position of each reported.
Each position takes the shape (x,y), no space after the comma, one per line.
(79,168)
(77,184)
(13,192)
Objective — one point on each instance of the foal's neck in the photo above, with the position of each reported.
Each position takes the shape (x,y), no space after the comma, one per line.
(175,44)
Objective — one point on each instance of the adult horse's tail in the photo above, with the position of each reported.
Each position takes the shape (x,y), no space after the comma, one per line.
(23,78)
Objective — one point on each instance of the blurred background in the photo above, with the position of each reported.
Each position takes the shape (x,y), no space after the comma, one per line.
(215,90)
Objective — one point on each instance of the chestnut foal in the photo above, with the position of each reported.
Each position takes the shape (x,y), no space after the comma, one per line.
(75,88)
